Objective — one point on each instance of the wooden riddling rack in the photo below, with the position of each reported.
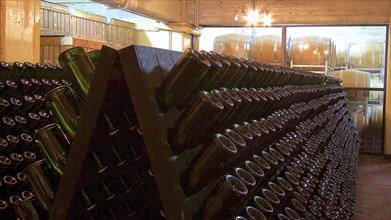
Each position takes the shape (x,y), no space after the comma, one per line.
(120,183)
(127,81)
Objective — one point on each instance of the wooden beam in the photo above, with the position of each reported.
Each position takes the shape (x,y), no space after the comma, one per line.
(164,10)
(387,124)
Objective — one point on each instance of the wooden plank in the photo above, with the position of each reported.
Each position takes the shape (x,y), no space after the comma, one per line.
(69,185)
(387,114)
(165,61)
(140,64)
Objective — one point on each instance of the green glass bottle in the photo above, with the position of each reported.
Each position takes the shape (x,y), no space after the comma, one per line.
(25,210)
(79,67)
(43,181)
(183,77)
(207,79)
(18,70)
(53,143)
(31,70)
(94,56)
(250,75)
(230,77)
(227,195)
(66,107)
(220,77)
(240,75)
(5,71)
(214,73)
(194,121)
(209,163)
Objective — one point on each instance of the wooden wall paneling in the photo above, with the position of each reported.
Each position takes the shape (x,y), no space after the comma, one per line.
(19,30)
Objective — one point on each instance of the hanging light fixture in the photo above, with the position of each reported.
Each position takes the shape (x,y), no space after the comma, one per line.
(253,14)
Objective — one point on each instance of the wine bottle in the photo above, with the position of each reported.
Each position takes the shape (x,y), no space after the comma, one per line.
(232,68)
(15,105)
(225,197)
(94,56)
(250,74)
(254,213)
(175,88)
(66,106)
(209,162)
(190,127)
(5,70)
(235,75)
(228,111)
(25,86)
(3,206)
(42,72)
(245,177)
(18,70)
(53,143)
(263,205)
(25,210)
(203,84)
(271,197)
(10,88)
(5,162)
(219,80)
(8,123)
(3,105)
(215,73)
(277,190)
(43,182)
(79,68)
(291,213)
(31,70)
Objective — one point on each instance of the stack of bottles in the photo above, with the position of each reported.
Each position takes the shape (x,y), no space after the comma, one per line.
(22,111)
(113,190)
(266,142)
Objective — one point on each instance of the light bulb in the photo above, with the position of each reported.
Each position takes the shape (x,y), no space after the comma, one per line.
(236,17)
(267,20)
(252,17)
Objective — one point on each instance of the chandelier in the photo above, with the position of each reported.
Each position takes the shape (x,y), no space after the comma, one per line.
(253,14)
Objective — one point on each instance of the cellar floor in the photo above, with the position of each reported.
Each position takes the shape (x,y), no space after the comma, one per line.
(374,188)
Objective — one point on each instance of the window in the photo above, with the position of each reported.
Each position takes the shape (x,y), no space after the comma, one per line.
(356,54)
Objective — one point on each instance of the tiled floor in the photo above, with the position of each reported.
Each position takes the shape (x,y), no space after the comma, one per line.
(374,188)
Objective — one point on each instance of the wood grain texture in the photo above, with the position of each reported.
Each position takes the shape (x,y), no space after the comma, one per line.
(387,123)
(19,30)
(166,10)
(75,171)
(218,12)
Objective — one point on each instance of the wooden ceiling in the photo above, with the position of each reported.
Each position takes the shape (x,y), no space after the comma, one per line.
(284,12)
(219,12)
